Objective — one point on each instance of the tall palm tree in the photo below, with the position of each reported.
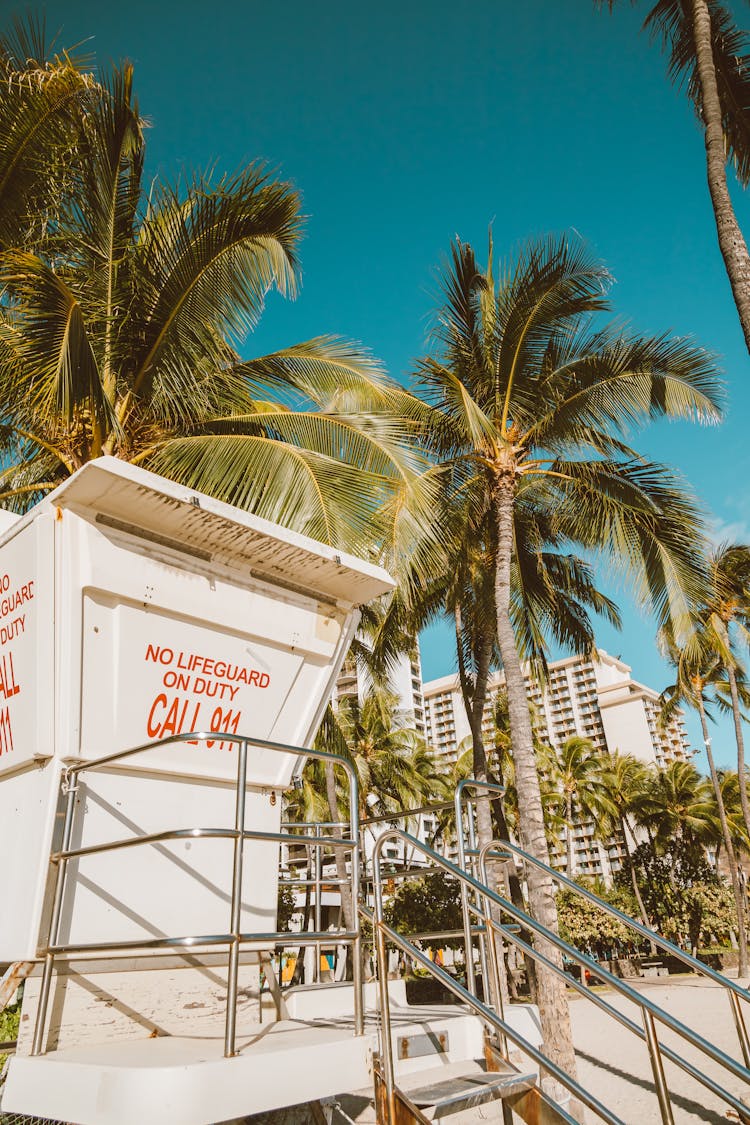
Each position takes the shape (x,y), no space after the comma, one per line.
(553,598)
(730,796)
(710,55)
(44,96)
(119,331)
(695,667)
(531,408)
(577,774)
(677,806)
(394,767)
(625,779)
(728,612)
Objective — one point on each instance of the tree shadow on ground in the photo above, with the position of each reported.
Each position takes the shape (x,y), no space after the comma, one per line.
(700,1112)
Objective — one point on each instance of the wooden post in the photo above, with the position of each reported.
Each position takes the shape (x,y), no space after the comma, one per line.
(14,976)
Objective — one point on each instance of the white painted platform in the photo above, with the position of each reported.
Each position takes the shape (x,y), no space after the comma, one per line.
(187,1081)
(178,1081)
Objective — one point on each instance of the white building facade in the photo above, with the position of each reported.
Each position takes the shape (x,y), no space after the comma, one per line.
(594,697)
(405,681)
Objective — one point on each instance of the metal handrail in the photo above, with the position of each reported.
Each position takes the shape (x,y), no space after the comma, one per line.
(234,938)
(651,1011)
(199,834)
(599,1001)
(734,990)
(468,783)
(261,940)
(490,1017)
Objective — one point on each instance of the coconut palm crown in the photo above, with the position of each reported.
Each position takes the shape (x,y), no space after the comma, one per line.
(120,330)
(533,404)
(700,669)
(45,92)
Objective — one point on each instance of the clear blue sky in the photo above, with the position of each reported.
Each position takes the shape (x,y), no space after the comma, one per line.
(405,123)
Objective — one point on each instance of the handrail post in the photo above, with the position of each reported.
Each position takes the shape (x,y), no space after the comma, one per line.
(497,998)
(385,1000)
(356,860)
(657,1066)
(55,916)
(471,980)
(458,804)
(236,912)
(318,910)
(739,1023)
(493,933)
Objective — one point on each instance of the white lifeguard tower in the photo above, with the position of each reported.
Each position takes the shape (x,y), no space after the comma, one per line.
(165,661)
(143,885)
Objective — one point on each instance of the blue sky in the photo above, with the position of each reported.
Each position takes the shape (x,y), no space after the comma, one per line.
(404,124)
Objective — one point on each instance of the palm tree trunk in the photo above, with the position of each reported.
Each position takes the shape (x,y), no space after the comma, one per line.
(731,242)
(569,835)
(624,828)
(474,700)
(299,964)
(739,738)
(728,847)
(551,998)
(633,880)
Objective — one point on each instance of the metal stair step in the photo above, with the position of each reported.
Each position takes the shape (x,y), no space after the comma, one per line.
(443,1095)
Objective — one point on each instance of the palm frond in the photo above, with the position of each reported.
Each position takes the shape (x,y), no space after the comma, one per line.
(54,368)
(204,265)
(309,492)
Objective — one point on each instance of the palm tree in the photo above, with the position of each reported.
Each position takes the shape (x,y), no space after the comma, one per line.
(553,598)
(577,775)
(676,810)
(306,802)
(118,335)
(625,779)
(730,796)
(710,55)
(695,669)
(394,767)
(676,805)
(44,95)
(531,409)
(728,610)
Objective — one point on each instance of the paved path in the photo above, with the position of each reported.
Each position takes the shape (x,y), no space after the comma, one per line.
(615,1064)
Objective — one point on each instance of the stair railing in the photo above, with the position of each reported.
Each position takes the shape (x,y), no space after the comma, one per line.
(650,1012)
(735,993)
(319,878)
(466,836)
(384,933)
(234,938)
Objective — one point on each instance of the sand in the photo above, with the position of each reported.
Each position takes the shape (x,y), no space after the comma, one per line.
(614,1063)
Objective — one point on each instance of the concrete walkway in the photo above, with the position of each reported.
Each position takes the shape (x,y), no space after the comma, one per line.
(615,1064)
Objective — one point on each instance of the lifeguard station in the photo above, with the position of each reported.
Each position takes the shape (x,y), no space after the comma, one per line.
(165,661)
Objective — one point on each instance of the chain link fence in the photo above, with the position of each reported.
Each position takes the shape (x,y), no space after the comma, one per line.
(20,1119)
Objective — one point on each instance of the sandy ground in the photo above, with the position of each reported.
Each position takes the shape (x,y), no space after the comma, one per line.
(614,1063)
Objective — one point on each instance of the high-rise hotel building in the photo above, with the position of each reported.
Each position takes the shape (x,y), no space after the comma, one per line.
(592,696)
